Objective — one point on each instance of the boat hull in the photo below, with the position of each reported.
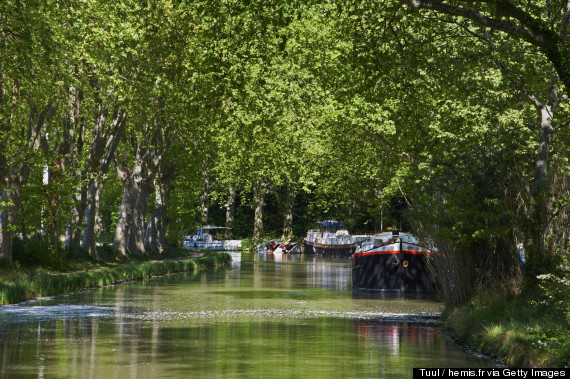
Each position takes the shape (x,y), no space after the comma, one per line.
(391,269)
(337,251)
(308,247)
(225,245)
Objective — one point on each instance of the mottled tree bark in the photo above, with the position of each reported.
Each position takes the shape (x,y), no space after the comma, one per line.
(124,221)
(230,207)
(260,191)
(129,235)
(136,240)
(106,138)
(75,220)
(94,191)
(71,147)
(541,184)
(154,235)
(204,197)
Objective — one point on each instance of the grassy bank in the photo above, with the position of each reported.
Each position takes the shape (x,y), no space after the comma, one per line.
(20,284)
(520,328)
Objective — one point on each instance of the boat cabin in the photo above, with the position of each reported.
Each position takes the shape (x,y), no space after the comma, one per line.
(332,228)
(211,237)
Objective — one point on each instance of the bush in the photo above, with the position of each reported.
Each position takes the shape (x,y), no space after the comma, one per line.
(555,292)
(36,251)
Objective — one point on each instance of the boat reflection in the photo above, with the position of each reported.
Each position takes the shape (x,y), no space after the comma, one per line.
(328,273)
(236,260)
(393,337)
(277,257)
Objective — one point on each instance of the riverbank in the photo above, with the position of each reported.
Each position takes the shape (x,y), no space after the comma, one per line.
(21,284)
(519,328)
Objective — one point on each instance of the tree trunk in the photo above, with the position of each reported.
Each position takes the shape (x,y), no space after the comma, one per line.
(106,220)
(63,160)
(541,184)
(204,199)
(74,222)
(230,207)
(136,237)
(154,236)
(289,206)
(129,235)
(9,205)
(106,137)
(260,192)
(155,233)
(52,207)
(123,223)
(91,214)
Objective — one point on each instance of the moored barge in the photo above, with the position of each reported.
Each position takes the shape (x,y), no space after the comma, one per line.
(391,261)
(331,239)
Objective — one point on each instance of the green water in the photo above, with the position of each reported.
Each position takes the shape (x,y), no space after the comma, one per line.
(264,317)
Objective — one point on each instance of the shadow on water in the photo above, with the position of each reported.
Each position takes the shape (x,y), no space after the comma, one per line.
(392,295)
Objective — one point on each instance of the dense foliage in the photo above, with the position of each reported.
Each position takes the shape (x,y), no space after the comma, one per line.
(137,121)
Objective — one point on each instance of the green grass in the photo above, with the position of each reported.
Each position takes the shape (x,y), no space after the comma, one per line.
(514,327)
(20,284)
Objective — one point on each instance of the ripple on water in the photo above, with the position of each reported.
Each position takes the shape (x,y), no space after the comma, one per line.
(279,315)
(26,313)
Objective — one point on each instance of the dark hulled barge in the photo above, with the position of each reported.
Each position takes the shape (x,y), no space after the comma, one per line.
(391,261)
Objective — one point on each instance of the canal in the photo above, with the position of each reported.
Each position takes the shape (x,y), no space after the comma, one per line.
(263,316)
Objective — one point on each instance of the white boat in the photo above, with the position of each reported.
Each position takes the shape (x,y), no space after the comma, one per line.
(332,240)
(207,238)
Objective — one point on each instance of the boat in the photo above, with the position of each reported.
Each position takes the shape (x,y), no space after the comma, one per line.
(309,241)
(278,247)
(331,239)
(391,260)
(207,238)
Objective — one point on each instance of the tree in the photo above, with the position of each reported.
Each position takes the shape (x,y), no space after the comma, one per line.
(28,102)
(544,26)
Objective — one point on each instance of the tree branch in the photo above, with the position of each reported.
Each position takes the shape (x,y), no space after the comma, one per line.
(565,20)
(533,32)
(506,73)
(401,154)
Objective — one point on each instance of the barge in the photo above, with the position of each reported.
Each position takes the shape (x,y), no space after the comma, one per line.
(391,261)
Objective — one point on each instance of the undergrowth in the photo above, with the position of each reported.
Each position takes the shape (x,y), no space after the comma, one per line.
(25,283)
(515,328)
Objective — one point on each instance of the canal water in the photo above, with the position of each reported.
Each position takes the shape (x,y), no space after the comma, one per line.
(263,316)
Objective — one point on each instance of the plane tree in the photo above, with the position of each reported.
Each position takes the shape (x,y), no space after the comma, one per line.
(28,102)
(530,44)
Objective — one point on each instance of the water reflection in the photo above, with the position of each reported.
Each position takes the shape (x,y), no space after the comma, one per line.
(329,274)
(262,316)
(236,260)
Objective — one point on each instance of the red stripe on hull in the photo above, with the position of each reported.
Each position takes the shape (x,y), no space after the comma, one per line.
(381,252)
